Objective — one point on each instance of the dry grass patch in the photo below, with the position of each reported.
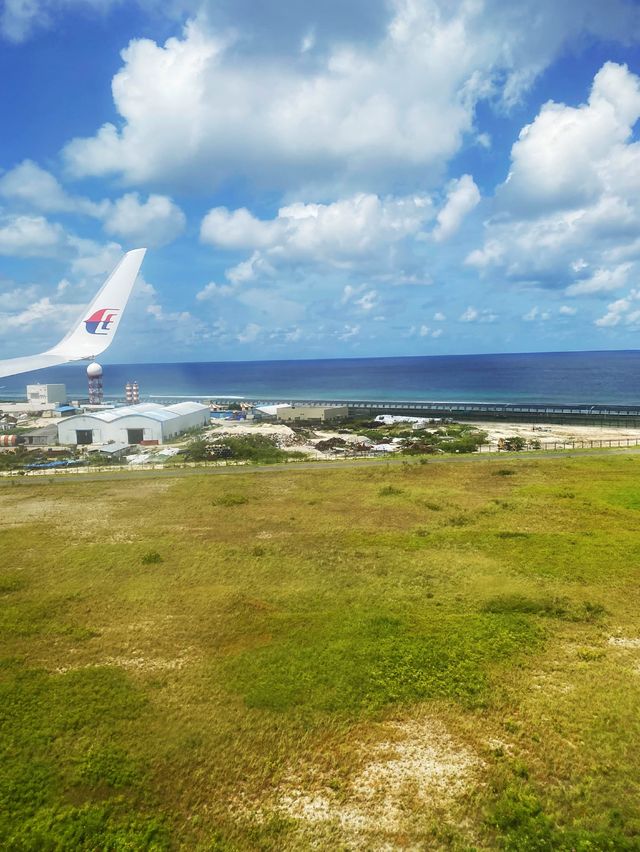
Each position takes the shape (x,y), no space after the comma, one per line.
(412,767)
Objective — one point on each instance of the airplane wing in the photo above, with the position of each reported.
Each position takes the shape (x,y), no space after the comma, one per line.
(97,327)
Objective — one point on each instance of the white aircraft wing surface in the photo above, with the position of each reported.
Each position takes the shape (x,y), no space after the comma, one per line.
(97,326)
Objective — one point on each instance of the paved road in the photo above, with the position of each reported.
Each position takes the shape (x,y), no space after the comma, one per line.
(293,467)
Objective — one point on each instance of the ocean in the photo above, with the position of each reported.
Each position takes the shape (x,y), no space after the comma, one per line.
(552,377)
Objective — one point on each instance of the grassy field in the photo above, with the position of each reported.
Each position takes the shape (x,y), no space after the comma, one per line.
(412,657)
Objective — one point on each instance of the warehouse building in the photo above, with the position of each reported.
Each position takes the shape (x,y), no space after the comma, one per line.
(133,424)
(311,413)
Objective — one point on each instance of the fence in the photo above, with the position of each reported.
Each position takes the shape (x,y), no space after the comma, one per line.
(547,446)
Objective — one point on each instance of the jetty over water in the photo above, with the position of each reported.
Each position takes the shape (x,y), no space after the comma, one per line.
(525,412)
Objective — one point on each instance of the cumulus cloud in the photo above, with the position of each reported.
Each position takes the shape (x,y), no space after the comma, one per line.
(535,314)
(351,230)
(30,236)
(237,229)
(473,314)
(462,196)
(569,212)
(211,290)
(359,296)
(154,222)
(625,311)
(361,112)
(249,333)
(427,331)
(602,281)
(30,185)
(568,156)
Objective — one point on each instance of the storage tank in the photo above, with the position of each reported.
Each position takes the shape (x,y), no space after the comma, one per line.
(11,440)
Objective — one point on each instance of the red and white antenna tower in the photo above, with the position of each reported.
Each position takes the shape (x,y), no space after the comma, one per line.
(94,375)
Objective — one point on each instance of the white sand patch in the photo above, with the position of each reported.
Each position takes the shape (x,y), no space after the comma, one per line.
(624,642)
(416,766)
(558,433)
(137,661)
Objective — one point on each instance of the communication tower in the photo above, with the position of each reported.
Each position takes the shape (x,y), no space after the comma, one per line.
(94,375)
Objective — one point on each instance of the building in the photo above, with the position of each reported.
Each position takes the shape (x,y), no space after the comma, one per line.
(133,424)
(311,413)
(111,451)
(46,436)
(45,395)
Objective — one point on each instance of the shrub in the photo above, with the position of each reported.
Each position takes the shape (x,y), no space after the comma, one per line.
(256,448)
(389,491)
(231,500)
(152,557)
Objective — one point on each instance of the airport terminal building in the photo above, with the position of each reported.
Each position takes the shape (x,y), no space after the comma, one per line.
(133,424)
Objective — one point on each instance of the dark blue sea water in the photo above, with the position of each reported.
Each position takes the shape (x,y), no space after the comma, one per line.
(554,377)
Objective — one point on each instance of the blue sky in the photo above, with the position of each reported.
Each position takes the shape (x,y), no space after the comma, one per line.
(323,180)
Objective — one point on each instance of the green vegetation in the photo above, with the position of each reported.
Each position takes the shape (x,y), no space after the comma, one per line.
(423,656)
(445,438)
(258,449)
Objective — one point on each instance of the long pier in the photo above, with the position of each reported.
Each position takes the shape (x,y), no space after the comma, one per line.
(525,412)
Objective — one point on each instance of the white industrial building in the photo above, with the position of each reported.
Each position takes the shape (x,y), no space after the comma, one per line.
(38,395)
(133,424)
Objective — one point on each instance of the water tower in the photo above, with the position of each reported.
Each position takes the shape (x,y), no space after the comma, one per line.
(94,375)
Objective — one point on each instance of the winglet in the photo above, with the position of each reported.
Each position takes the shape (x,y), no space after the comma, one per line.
(97,326)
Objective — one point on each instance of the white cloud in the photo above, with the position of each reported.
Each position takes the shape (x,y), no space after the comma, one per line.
(38,188)
(249,333)
(212,290)
(567,311)
(363,299)
(362,112)
(237,229)
(44,313)
(356,229)
(462,196)
(536,314)
(569,212)
(29,236)
(154,222)
(439,317)
(569,155)
(348,332)
(624,311)
(602,281)
(472,314)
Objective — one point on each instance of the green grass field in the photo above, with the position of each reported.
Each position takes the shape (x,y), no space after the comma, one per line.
(411,657)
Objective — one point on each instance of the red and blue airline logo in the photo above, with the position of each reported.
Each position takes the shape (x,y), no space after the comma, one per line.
(100,321)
